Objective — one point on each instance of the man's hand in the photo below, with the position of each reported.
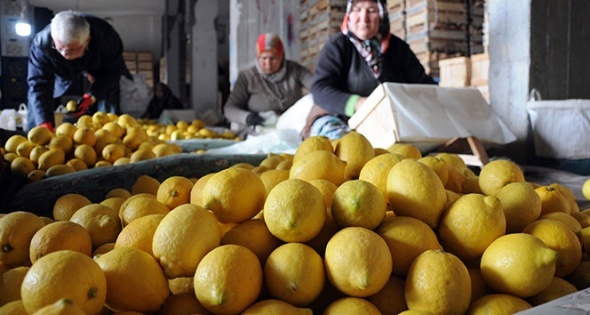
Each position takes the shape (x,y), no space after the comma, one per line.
(83,103)
(254,119)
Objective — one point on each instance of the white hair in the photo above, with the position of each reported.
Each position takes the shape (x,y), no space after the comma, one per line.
(70,27)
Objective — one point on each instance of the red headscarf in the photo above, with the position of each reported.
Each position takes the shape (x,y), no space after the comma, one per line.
(269,42)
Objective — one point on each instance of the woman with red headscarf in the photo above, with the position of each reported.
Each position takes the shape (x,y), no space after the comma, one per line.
(272,84)
(354,62)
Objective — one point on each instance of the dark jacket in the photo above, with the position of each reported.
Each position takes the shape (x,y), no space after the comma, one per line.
(50,75)
(341,71)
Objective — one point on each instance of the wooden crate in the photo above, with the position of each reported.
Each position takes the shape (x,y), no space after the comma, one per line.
(455,72)
(480,67)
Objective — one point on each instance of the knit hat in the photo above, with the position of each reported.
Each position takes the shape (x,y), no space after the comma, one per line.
(269,42)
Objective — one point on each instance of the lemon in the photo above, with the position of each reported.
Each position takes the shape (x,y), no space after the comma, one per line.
(254,235)
(65,128)
(519,264)
(406,238)
(13,308)
(24,149)
(50,158)
(560,238)
(498,304)
(60,235)
(112,152)
(390,299)
(228,279)
(272,177)
(61,306)
(558,288)
(570,197)
(294,211)
(375,171)
(479,288)
(351,306)
(358,203)
(102,223)
(36,153)
(135,281)
(406,149)
(326,187)
(438,165)
(438,282)
(497,174)
(65,206)
(183,237)
(196,197)
(140,233)
(174,191)
(145,184)
(586,189)
(10,283)
(234,195)
(319,164)
(521,205)
(311,144)
(39,135)
(35,175)
(60,169)
(117,193)
(357,261)
(16,231)
(272,306)
(64,274)
(552,199)
(294,273)
(182,303)
(462,225)
(86,153)
(414,190)
(77,164)
(13,142)
(566,219)
(84,135)
(62,142)
(22,166)
(71,106)
(355,150)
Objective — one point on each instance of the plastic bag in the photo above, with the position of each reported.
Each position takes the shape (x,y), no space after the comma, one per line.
(275,141)
(8,119)
(135,95)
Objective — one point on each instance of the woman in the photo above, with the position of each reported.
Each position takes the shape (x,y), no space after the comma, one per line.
(271,85)
(354,62)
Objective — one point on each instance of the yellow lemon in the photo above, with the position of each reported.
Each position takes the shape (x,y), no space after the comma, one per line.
(145,184)
(453,160)
(77,164)
(294,211)
(103,249)
(271,161)
(326,188)
(254,235)
(294,273)
(35,175)
(140,206)
(497,174)
(24,149)
(566,219)
(552,199)
(272,177)
(140,233)
(112,152)
(228,279)
(234,195)
(414,190)
(406,238)
(16,231)
(183,303)
(521,205)
(62,142)
(39,135)
(183,237)
(36,153)
(461,228)
(479,288)
(115,129)
(390,299)
(141,155)
(65,128)
(64,274)
(196,197)
(355,150)
(135,281)
(498,304)
(60,235)
(408,150)
(86,153)
(13,142)
(84,135)
(558,288)
(311,144)
(351,306)
(102,223)
(13,308)
(438,165)
(438,282)
(60,169)
(61,306)
(375,171)
(570,197)
(126,121)
(358,203)
(118,193)
(65,206)
(174,191)
(357,261)
(519,264)
(22,166)
(586,189)
(319,164)
(272,306)
(50,158)
(10,283)
(560,238)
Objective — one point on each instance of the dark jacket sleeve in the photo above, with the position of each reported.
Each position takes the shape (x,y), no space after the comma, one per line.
(40,80)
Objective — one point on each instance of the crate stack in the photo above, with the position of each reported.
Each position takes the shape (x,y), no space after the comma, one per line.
(319,19)
(142,63)
(397,17)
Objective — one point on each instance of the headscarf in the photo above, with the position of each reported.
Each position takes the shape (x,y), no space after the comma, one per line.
(374,48)
(271,42)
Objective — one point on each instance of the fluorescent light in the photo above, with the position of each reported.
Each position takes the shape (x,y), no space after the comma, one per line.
(22,28)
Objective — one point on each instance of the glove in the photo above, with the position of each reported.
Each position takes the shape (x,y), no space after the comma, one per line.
(83,103)
(254,119)
(48,125)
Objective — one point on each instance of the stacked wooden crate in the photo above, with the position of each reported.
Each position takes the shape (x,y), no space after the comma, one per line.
(397,17)
(319,19)
(142,63)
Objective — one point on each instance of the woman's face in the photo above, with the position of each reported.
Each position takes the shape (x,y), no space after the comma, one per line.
(269,62)
(363,19)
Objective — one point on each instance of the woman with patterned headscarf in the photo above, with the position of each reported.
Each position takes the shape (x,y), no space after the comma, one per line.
(272,84)
(354,62)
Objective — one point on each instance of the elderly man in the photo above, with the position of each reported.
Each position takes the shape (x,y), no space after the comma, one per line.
(72,47)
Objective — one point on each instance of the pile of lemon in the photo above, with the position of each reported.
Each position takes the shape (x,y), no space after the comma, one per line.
(94,141)
(337,228)
(183,130)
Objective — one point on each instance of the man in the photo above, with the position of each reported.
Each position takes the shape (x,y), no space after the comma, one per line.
(72,46)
